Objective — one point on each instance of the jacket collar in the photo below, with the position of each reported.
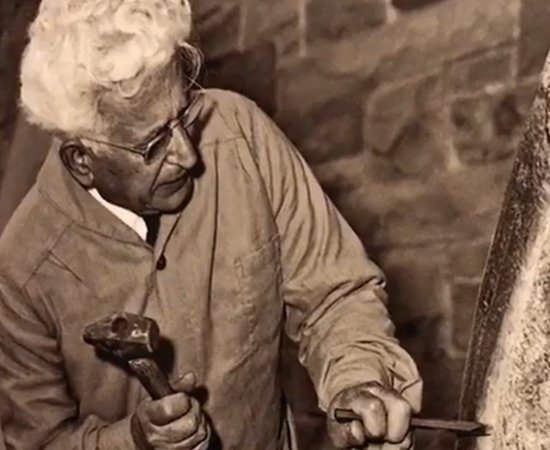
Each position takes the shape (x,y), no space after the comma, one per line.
(71,199)
(56,184)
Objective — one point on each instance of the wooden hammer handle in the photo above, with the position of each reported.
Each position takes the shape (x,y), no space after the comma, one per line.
(152,378)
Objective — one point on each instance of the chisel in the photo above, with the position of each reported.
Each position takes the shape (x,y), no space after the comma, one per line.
(461,427)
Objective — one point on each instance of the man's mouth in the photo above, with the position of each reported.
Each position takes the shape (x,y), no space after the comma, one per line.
(173,185)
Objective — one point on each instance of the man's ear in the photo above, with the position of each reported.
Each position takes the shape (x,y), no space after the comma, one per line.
(77,160)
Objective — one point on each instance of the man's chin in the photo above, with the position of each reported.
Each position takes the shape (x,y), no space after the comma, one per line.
(176,202)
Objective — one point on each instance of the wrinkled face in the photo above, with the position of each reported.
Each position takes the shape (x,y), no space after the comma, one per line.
(162,185)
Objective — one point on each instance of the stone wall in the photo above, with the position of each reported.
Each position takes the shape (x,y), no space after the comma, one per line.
(409,112)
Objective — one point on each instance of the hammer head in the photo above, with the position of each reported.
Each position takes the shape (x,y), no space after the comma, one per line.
(127,336)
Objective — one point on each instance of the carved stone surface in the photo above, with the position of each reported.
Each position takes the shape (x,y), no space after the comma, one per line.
(507,378)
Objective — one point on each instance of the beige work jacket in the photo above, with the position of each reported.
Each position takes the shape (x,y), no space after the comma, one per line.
(258,250)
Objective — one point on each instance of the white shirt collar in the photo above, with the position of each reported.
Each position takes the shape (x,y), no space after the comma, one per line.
(130,218)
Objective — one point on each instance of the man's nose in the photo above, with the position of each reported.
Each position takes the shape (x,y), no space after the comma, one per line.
(181,151)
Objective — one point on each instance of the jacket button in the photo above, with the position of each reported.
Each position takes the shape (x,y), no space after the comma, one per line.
(161,263)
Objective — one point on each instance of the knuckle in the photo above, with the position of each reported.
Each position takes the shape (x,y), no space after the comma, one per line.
(403,408)
(167,409)
(373,405)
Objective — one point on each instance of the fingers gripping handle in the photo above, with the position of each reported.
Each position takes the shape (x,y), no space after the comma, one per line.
(458,426)
(152,378)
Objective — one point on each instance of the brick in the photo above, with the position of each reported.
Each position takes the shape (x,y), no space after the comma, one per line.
(219,30)
(252,73)
(445,207)
(534,36)
(303,86)
(473,74)
(276,22)
(415,151)
(417,43)
(487,128)
(205,9)
(380,133)
(421,219)
(332,131)
(327,19)
(337,180)
(393,100)
(468,260)
(391,107)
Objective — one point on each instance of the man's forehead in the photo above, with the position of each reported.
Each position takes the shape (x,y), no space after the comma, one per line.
(140,122)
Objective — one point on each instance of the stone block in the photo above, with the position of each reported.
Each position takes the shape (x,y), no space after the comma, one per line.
(277,22)
(328,20)
(417,43)
(251,73)
(476,73)
(394,107)
(534,36)
(339,177)
(205,9)
(331,131)
(391,100)
(488,128)
(415,150)
(445,207)
(219,30)
(303,86)
(420,219)
(468,259)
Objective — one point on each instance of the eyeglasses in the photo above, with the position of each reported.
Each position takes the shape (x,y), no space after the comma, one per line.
(158,145)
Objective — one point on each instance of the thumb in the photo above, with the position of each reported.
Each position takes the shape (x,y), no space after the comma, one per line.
(185,383)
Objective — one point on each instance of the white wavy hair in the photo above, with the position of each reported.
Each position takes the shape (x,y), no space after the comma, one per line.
(81,51)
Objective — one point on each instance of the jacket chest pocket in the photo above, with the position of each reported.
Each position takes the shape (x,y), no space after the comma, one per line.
(259,278)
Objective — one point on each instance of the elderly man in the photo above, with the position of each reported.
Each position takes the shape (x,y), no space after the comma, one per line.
(191,207)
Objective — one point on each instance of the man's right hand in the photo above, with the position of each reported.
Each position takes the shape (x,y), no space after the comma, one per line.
(175,422)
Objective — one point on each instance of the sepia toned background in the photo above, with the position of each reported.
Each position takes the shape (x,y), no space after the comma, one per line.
(409,113)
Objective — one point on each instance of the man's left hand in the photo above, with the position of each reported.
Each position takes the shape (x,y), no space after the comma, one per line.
(386,419)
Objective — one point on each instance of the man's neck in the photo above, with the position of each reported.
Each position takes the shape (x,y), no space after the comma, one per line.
(130,218)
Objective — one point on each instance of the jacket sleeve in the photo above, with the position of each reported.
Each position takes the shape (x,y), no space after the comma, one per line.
(334,294)
(38,411)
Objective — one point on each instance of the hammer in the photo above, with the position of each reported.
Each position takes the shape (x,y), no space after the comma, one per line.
(132,339)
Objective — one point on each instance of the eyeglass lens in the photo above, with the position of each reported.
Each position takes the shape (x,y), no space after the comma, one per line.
(158,145)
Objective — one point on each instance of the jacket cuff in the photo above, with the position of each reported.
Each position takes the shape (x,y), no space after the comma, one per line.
(117,436)
(351,375)
(404,380)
